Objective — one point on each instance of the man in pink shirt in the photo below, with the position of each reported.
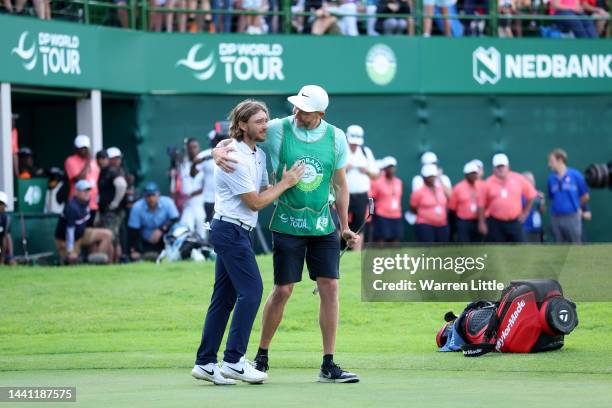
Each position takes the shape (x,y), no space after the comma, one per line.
(429,203)
(81,166)
(387,192)
(464,203)
(501,203)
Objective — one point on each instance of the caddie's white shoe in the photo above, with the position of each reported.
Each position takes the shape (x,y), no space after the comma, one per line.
(211,372)
(243,370)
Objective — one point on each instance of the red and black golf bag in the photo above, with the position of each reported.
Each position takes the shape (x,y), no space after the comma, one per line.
(532,316)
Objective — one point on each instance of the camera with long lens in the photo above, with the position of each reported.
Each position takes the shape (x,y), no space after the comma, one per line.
(599,175)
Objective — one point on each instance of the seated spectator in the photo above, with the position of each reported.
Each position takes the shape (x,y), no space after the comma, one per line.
(464,202)
(429,203)
(6,241)
(387,193)
(580,28)
(27,169)
(395,25)
(42,8)
(591,7)
(80,166)
(72,232)
(324,22)
(112,185)
(57,191)
(428,10)
(506,9)
(253,23)
(532,227)
(150,218)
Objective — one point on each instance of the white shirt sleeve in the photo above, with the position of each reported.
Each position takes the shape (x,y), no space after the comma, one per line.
(239,181)
(372,166)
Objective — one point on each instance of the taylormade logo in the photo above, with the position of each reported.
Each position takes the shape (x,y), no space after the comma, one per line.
(504,334)
(262,62)
(59,53)
(488,66)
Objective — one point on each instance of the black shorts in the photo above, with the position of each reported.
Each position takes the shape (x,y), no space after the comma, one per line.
(358,205)
(322,255)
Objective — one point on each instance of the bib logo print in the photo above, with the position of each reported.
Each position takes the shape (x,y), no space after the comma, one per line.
(313,174)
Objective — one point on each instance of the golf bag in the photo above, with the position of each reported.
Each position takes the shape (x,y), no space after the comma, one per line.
(180,243)
(532,316)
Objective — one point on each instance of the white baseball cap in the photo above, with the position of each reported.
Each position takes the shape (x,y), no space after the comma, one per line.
(113,152)
(354,134)
(387,162)
(478,163)
(429,170)
(470,167)
(82,141)
(500,159)
(311,98)
(429,158)
(3,197)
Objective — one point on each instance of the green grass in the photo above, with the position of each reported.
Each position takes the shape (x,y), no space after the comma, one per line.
(126,336)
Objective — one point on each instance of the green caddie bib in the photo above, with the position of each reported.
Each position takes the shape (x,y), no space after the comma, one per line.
(304,210)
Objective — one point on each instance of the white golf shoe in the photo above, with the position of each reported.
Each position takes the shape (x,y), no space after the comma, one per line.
(243,371)
(211,372)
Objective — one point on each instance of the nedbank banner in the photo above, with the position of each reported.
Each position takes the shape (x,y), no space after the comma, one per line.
(71,55)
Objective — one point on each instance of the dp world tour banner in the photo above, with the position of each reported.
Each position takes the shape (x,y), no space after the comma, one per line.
(70,55)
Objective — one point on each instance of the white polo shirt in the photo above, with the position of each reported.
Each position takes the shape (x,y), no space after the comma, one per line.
(207,167)
(357,181)
(250,174)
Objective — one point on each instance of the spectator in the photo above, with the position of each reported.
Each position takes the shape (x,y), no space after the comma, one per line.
(387,192)
(441,179)
(428,11)
(360,169)
(72,231)
(506,9)
(532,228)
(199,22)
(252,23)
(324,21)
(371,9)
(112,185)
(122,13)
(464,202)
(501,203)
(347,21)
(42,8)
(592,8)
(150,218)
(206,165)
(6,241)
(429,203)
(480,167)
(395,25)
(572,8)
(222,22)
(567,192)
(27,169)
(15,144)
(57,191)
(80,166)
(192,185)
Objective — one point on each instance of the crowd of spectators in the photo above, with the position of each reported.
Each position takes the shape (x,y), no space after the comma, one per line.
(516,18)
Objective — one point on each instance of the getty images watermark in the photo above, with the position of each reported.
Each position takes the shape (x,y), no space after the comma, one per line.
(409,272)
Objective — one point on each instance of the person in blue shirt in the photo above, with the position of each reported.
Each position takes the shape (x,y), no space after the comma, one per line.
(567,192)
(532,227)
(73,231)
(150,218)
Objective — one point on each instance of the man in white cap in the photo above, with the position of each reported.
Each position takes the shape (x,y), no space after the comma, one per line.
(192,186)
(500,211)
(6,241)
(303,223)
(361,168)
(464,202)
(442,179)
(429,203)
(387,192)
(112,185)
(81,166)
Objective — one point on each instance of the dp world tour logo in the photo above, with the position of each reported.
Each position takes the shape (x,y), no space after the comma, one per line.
(486,65)
(313,174)
(243,62)
(203,69)
(381,64)
(58,53)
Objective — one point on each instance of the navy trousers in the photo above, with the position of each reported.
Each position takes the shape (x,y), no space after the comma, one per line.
(238,286)
(467,231)
(504,231)
(429,233)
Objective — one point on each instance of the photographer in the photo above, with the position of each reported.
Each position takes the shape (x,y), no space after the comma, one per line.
(151,217)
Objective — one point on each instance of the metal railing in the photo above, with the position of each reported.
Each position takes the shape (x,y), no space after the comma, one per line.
(139,13)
